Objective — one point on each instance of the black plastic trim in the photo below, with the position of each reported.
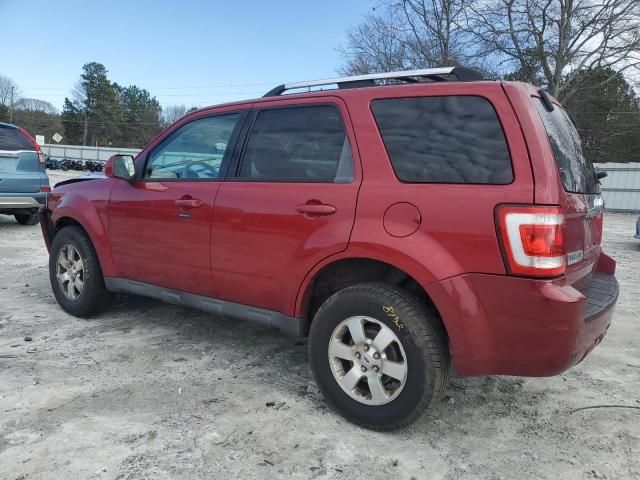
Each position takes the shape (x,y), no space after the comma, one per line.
(276,91)
(48,229)
(292,326)
(546,101)
(602,294)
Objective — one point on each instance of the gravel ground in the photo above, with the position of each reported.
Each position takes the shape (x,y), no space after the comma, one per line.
(149,390)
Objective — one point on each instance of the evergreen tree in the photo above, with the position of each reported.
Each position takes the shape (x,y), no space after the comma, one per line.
(607,114)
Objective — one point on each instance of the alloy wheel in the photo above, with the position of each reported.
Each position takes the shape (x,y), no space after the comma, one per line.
(70,272)
(367,360)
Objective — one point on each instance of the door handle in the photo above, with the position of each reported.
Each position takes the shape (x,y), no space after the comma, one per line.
(316,209)
(188,203)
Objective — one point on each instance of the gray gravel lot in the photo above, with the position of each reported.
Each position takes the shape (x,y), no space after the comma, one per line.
(154,391)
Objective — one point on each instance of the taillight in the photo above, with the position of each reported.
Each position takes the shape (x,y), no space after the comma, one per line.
(45,189)
(532,239)
(36,147)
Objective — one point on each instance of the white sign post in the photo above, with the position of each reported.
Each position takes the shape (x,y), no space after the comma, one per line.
(40,139)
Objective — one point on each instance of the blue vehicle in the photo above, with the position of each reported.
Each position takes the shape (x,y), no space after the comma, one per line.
(638,229)
(24,184)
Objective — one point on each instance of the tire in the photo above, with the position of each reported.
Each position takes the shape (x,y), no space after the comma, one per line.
(26,218)
(93,298)
(419,338)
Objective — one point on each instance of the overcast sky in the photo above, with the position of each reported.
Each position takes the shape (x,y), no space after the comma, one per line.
(193,52)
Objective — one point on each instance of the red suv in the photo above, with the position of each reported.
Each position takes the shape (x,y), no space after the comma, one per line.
(403,221)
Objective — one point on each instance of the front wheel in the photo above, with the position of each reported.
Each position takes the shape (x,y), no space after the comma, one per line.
(378,355)
(75,274)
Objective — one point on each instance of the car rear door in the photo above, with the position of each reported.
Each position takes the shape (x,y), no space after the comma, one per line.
(20,171)
(160,224)
(290,203)
(581,199)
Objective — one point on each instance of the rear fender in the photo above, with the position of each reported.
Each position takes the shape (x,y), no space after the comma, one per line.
(396,258)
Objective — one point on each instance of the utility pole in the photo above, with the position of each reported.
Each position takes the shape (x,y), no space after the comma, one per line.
(11,105)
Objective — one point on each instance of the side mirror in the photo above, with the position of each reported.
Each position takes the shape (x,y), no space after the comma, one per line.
(120,166)
(600,175)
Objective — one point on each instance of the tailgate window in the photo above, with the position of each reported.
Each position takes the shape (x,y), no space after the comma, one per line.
(12,139)
(576,171)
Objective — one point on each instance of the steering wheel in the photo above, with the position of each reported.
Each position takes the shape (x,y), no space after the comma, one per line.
(187,168)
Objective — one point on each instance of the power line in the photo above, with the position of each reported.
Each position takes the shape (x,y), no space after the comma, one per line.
(59,95)
(174,87)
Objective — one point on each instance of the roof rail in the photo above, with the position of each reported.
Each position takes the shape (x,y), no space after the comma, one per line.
(435,74)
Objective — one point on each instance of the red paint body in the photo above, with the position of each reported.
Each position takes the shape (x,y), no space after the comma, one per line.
(248,242)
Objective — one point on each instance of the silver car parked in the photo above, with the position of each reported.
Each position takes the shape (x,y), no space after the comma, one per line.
(24,183)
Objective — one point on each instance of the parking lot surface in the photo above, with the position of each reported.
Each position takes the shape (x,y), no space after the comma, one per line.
(150,390)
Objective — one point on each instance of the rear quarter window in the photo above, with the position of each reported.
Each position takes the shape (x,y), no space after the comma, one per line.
(447,139)
(12,139)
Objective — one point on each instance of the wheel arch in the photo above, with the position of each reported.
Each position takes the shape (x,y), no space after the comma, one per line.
(93,228)
(337,274)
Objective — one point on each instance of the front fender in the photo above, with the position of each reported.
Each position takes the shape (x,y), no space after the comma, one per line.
(91,214)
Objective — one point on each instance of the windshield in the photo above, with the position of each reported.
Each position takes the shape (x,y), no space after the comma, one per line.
(576,171)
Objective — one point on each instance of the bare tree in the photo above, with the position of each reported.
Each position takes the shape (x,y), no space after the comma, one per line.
(551,41)
(376,45)
(6,85)
(171,113)
(37,116)
(435,30)
(404,34)
(35,105)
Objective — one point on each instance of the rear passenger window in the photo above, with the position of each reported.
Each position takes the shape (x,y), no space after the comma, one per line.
(304,144)
(453,139)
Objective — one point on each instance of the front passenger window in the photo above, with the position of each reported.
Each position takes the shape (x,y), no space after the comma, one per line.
(194,151)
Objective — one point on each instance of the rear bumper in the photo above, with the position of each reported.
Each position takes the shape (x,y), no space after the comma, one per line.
(500,325)
(18,201)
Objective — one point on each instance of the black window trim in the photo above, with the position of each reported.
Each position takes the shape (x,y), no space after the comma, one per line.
(239,151)
(506,138)
(226,158)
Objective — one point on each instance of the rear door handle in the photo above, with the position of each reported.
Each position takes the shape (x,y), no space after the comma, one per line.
(188,203)
(316,209)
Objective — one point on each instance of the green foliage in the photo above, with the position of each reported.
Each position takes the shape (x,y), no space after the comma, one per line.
(72,123)
(4,113)
(102,112)
(141,114)
(607,113)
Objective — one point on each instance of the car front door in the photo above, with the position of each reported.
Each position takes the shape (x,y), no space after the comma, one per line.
(291,203)
(160,224)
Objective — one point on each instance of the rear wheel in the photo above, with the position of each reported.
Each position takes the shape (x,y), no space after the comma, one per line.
(378,355)
(75,274)
(26,218)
